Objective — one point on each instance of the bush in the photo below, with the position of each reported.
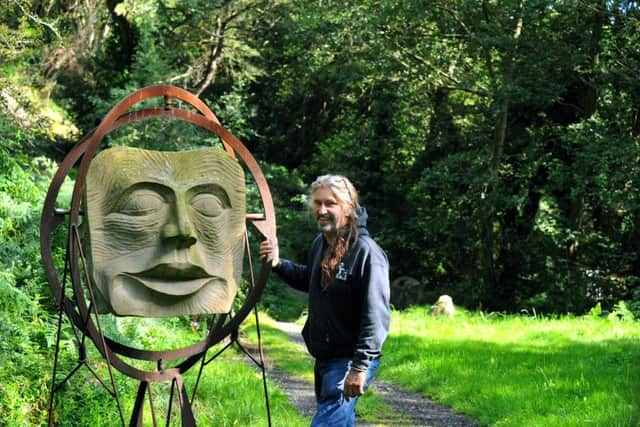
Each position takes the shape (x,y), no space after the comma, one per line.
(28,327)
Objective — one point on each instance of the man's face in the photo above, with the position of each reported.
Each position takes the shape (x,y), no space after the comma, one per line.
(165,231)
(330,214)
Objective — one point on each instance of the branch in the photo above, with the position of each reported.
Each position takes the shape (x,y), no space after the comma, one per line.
(218,39)
(490,71)
(181,76)
(455,18)
(214,59)
(238,12)
(424,61)
(471,90)
(38,20)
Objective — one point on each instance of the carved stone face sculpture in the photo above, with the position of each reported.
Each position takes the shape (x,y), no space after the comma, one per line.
(165,231)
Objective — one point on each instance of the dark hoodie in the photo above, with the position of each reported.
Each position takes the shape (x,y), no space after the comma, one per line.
(350,318)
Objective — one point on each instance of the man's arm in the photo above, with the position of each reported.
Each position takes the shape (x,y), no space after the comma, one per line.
(375,315)
(295,275)
(374,325)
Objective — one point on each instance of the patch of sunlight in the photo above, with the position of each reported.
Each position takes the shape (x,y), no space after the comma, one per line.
(40,107)
(59,126)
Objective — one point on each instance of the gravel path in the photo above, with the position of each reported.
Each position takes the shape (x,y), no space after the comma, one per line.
(412,408)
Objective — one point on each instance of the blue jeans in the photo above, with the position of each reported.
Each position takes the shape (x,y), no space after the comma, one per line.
(333,409)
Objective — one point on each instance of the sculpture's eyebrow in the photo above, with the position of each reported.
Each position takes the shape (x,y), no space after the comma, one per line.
(162,190)
(211,188)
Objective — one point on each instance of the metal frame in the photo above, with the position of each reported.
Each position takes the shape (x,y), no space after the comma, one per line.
(84,318)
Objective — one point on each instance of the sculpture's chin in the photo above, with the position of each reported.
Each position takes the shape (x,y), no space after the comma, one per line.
(131,296)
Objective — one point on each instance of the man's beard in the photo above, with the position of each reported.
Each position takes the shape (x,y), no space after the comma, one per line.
(329,226)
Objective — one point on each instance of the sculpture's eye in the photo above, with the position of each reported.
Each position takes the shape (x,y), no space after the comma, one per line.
(141,202)
(208,204)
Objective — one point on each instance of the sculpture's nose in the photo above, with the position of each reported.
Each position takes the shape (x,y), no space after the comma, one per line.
(179,226)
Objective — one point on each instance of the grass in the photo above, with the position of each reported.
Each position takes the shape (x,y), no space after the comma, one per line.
(520,370)
(231,393)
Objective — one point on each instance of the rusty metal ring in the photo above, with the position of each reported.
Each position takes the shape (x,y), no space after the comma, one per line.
(84,152)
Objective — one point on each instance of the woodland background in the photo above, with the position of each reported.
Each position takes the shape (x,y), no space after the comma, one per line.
(495,143)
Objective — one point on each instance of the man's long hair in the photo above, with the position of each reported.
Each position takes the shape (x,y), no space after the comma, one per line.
(345,193)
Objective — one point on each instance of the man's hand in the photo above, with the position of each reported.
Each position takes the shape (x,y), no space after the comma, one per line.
(354,384)
(268,248)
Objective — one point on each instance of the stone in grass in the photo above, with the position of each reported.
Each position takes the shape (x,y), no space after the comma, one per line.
(443,307)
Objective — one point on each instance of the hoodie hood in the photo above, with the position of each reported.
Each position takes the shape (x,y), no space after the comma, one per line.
(362,221)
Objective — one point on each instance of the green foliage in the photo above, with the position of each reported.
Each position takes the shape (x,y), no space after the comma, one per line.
(622,312)
(473,134)
(28,328)
(596,311)
(494,144)
(21,35)
(288,192)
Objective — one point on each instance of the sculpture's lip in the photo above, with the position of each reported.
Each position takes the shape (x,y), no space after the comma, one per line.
(173,270)
(176,279)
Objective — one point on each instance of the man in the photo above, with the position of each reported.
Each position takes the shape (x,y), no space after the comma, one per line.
(347,278)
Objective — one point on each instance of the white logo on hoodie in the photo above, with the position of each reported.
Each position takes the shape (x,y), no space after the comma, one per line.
(342,272)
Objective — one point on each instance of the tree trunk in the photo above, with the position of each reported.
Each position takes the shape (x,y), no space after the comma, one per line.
(488,250)
(214,58)
(588,101)
(125,34)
